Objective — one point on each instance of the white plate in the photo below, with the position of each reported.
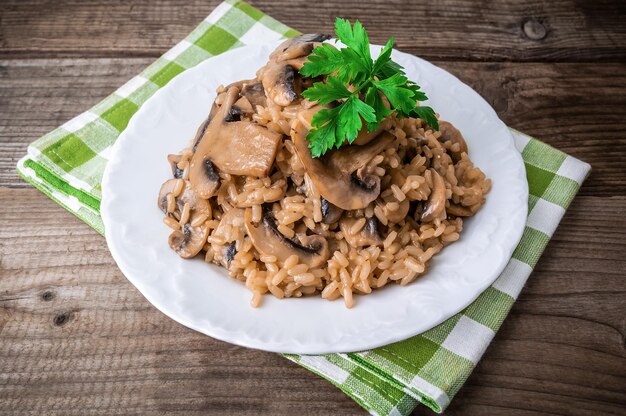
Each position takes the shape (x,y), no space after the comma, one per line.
(202,297)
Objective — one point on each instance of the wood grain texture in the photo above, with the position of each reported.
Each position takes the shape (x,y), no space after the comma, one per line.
(573,30)
(76,338)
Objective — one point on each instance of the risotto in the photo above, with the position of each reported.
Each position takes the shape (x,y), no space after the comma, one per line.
(248,196)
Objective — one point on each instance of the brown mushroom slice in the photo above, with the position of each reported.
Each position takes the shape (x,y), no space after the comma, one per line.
(452,134)
(250,148)
(189,241)
(353,158)
(236,148)
(231,218)
(188,195)
(197,205)
(297,63)
(436,203)
(244,106)
(298,46)
(334,175)
(166,188)
(365,136)
(397,215)
(369,235)
(278,82)
(227,229)
(305,116)
(203,126)
(279,74)
(460,210)
(398,178)
(206,180)
(173,161)
(330,213)
(249,97)
(229,253)
(311,250)
(401,213)
(255,93)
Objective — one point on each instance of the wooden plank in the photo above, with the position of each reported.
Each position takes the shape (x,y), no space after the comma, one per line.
(36,96)
(473,30)
(78,339)
(578,108)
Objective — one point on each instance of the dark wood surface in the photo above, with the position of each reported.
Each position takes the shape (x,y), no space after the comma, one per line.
(76,338)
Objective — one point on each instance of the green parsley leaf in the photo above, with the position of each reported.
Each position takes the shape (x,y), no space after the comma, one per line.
(353,70)
(427,114)
(374,100)
(323,60)
(396,91)
(326,93)
(355,38)
(383,58)
(350,113)
(323,137)
(389,69)
(359,85)
(417,94)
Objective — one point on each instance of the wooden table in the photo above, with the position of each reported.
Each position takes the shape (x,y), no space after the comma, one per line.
(76,338)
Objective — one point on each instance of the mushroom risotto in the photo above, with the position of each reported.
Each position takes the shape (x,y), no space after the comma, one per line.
(250,197)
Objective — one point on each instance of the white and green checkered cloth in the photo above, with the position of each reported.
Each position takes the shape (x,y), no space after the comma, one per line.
(67,165)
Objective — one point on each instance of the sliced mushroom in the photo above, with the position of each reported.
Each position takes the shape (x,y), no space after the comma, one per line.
(311,250)
(452,134)
(436,203)
(330,213)
(335,175)
(255,93)
(365,136)
(237,148)
(188,195)
(397,215)
(459,210)
(279,74)
(229,252)
(230,221)
(244,106)
(176,171)
(251,94)
(278,80)
(231,218)
(398,178)
(409,154)
(203,126)
(166,188)
(401,213)
(189,242)
(297,63)
(296,47)
(197,205)
(207,180)
(305,116)
(369,235)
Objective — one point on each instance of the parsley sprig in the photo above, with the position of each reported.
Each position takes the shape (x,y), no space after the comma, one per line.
(356,82)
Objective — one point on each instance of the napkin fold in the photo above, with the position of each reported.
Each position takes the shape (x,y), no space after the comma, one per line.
(67,165)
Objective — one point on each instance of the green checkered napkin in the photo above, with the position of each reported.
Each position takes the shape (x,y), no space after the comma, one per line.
(67,165)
